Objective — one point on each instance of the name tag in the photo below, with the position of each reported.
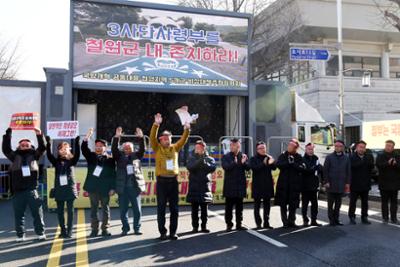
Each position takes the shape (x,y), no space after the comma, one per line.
(97,171)
(63,180)
(170,164)
(129,169)
(26,171)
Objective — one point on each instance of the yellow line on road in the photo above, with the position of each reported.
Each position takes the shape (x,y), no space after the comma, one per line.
(81,244)
(56,250)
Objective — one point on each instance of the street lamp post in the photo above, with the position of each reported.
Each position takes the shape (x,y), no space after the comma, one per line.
(340,70)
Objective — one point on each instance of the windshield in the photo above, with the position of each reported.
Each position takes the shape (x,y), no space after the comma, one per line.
(322,135)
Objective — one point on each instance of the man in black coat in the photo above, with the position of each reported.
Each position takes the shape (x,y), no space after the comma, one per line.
(99,183)
(362,165)
(262,166)
(235,164)
(200,166)
(388,164)
(288,188)
(129,182)
(310,185)
(337,175)
(24,172)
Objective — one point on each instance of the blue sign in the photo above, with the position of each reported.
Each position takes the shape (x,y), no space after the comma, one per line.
(309,54)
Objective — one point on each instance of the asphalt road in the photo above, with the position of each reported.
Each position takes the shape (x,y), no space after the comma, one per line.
(348,245)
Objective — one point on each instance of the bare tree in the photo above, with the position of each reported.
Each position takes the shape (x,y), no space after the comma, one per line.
(8,60)
(247,6)
(271,33)
(390,10)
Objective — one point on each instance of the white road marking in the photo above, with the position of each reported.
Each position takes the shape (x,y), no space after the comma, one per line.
(252,232)
(345,208)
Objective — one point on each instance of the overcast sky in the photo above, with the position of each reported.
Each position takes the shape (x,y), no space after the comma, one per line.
(41,27)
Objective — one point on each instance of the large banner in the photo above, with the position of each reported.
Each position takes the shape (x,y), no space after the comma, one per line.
(149,197)
(156,48)
(375,133)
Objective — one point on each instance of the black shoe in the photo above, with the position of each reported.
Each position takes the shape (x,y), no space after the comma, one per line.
(286,225)
(365,221)
(138,233)
(385,221)
(195,230)
(339,223)
(105,233)
(240,228)
(314,223)
(124,233)
(69,234)
(163,237)
(94,233)
(63,234)
(229,228)
(395,222)
(205,230)
(258,227)
(353,221)
(293,225)
(305,224)
(267,226)
(173,237)
(332,224)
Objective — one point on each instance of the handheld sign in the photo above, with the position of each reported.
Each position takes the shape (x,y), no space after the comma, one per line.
(62,129)
(25,121)
(184,115)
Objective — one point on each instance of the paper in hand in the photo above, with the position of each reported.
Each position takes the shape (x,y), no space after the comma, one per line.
(184,115)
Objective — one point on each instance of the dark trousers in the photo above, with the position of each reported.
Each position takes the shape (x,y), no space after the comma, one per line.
(195,215)
(334,203)
(288,219)
(267,207)
(307,197)
(131,195)
(70,214)
(167,192)
(21,201)
(95,199)
(389,196)
(231,202)
(353,204)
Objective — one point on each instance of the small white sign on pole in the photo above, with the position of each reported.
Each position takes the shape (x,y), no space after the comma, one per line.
(62,129)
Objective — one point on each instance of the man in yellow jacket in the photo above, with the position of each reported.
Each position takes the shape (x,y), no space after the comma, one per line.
(167,170)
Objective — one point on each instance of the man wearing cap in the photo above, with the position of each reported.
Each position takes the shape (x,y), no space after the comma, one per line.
(262,186)
(167,170)
(337,176)
(129,183)
(99,183)
(362,165)
(24,172)
(288,188)
(310,187)
(388,163)
(200,166)
(235,164)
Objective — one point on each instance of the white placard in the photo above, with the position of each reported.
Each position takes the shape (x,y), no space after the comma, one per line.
(170,164)
(97,171)
(129,169)
(63,180)
(26,171)
(62,129)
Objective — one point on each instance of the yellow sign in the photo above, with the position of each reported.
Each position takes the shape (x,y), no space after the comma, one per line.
(148,197)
